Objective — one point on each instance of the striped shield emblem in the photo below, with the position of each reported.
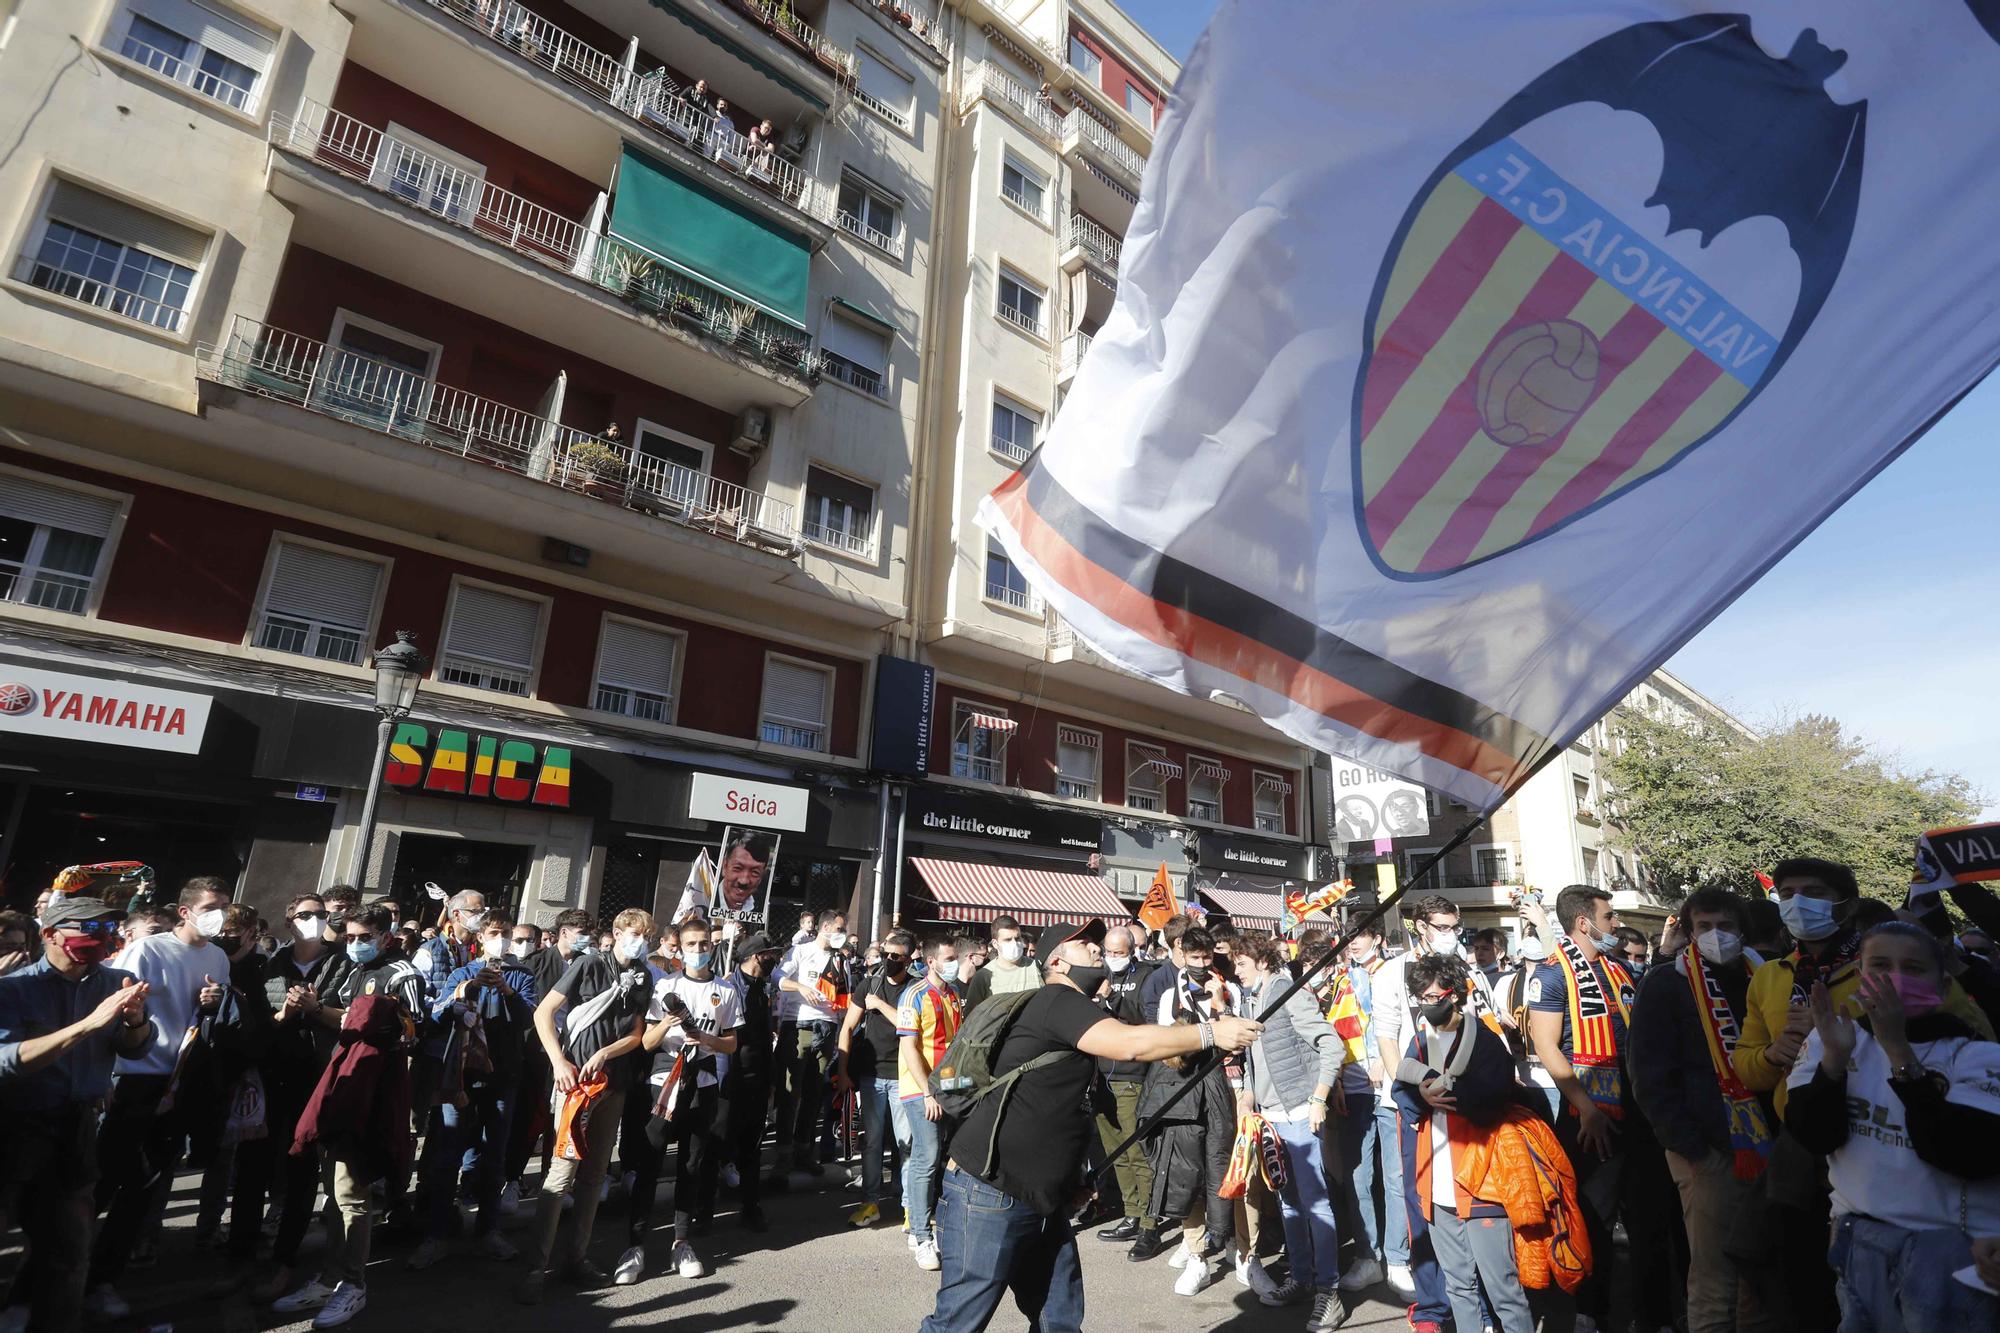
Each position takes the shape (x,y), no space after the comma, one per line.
(1544,337)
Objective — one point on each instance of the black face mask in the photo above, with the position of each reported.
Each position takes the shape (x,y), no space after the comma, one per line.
(1088,979)
(1440,1013)
(229,944)
(895,967)
(1195,973)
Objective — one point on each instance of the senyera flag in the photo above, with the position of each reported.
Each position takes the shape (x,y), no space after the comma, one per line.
(1468,358)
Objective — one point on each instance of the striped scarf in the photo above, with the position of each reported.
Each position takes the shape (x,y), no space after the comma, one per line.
(1593,1036)
(1749,1131)
(1349,1024)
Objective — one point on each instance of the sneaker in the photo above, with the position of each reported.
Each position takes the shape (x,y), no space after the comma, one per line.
(510,1200)
(346,1302)
(1585,1324)
(531,1288)
(1327,1313)
(912,1239)
(104,1302)
(583,1273)
(867,1215)
(425,1255)
(854,1181)
(1362,1274)
(927,1256)
(1180,1257)
(731,1178)
(1252,1275)
(1195,1275)
(493,1245)
(686,1262)
(1124,1230)
(631,1265)
(1400,1279)
(1287,1292)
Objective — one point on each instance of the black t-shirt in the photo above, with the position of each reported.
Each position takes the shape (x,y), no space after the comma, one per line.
(587,977)
(872,1048)
(1045,1131)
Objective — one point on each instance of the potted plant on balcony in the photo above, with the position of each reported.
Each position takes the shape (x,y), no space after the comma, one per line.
(602,468)
(685,310)
(789,353)
(633,276)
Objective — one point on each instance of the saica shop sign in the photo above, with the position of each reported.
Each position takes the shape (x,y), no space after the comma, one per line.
(461,763)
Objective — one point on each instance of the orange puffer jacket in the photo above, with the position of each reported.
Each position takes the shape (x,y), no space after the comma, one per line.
(1518,1164)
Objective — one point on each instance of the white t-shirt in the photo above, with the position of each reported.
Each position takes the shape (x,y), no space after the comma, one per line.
(804,965)
(1389,1016)
(717,1007)
(1876,1172)
(176,972)
(1444,1192)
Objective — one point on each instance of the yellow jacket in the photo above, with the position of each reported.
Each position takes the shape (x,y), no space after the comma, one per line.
(1770,1002)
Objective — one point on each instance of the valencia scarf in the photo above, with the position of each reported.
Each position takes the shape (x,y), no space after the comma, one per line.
(1750,1134)
(1829,967)
(1593,1036)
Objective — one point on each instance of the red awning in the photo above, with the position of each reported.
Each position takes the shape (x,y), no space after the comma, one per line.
(1257,908)
(967,891)
(991,721)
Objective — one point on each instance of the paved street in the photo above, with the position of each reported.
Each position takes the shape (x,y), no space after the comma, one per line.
(809,1271)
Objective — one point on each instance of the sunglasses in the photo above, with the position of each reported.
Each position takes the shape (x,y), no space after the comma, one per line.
(91,927)
(309,916)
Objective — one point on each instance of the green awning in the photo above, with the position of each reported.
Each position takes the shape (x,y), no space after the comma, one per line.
(713,237)
(737,49)
(863,312)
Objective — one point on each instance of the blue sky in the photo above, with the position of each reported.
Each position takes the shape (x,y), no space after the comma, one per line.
(1883,617)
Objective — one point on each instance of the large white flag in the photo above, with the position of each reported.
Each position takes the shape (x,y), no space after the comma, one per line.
(1469,357)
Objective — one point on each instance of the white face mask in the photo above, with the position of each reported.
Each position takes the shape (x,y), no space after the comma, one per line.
(494,947)
(309,928)
(1366,955)
(1532,949)
(1719,946)
(520,948)
(630,948)
(1011,950)
(837,940)
(209,923)
(1447,942)
(1809,919)
(1606,944)
(1117,962)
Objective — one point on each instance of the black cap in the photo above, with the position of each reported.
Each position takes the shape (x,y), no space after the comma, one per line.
(64,910)
(755,944)
(1062,932)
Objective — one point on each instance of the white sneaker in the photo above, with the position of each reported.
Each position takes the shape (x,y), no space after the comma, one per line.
(104,1302)
(346,1302)
(1362,1274)
(427,1253)
(311,1296)
(686,1261)
(1243,1262)
(1179,1258)
(731,1178)
(631,1264)
(1400,1279)
(1259,1282)
(1194,1276)
(912,1239)
(493,1245)
(510,1200)
(927,1256)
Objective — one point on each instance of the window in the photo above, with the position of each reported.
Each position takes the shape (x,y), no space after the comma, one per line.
(839,512)
(884,89)
(1082,59)
(979,736)
(1023,187)
(871,213)
(1147,771)
(196,45)
(795,703)
(319,603)
(670,465)
(1269,802)
(636,666)
(1583,805)
(1618,875)
(1590,865)
(489,639)
(1014,428)
(1020,303)
(1004,582)
(377,371)
(428,175)
(1493,865)
(103,252)
(1076,763)
(51,542)
(855,353)
(1205,779)
(1138,103)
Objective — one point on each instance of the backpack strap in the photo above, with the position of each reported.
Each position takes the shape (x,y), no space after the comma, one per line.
(1004,1085)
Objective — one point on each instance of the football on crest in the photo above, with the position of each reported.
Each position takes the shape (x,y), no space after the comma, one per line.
(1535,379)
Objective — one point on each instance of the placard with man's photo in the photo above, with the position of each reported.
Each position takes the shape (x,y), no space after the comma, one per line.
(744,862)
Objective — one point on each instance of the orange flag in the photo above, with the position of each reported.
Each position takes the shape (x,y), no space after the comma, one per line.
(1159,904)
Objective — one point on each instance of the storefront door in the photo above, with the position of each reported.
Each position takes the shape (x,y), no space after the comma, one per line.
(631,877)
(180,839)
(496,869)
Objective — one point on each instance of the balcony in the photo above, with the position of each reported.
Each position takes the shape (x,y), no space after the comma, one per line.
(1073,348)
(331,382)
(707,342)
(1093,252)
(860,545)
(995,85)
(1092,244)
(759,49)
(1108,170)
(1065,646)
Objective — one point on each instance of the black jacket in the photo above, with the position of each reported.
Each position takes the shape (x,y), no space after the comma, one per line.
(1189,1148)
(1122,1002)
(1673,1079)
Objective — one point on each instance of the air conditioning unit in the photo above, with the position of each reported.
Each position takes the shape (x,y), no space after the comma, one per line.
(753,432)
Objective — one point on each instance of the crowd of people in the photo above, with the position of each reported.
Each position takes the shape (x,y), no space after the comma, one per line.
(1781,1113)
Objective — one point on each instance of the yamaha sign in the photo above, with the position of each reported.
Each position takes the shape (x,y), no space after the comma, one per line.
(104,712)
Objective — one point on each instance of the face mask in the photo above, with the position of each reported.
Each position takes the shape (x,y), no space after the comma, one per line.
(1439,1013)
(209,923)
(1117,962)
(363,952)
(1918,995)
(1088,979)
(837,940)
(1196,974)
(520,948)
(1533,950)
(1808,919)
(229,944)
(967,969)
(1719,946)
(1606,945)
(895,967)
(1011,950)
(473,921)
(494,947)
(1366,955)
(85,949)
(309,928)
(698,962)
(1448,942)
(630,948)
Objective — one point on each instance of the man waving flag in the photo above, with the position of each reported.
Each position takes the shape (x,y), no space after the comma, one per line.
(1469,358)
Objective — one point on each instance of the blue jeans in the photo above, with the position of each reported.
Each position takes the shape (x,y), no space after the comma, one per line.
(1395,1217)
(1312,1238)
(472,1138)
(883,1139)
(992,1243)
(1358,1136)
(920,1173)
(1898,1281)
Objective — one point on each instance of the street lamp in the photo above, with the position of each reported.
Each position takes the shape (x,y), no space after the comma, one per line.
(398,669)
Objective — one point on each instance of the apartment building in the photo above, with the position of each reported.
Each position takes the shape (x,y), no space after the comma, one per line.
(643,359)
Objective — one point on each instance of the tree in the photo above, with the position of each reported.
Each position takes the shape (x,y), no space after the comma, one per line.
(1703,804)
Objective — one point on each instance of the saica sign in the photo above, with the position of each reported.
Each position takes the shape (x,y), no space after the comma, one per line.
(461,763)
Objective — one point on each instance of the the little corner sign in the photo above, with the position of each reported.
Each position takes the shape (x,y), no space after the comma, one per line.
(463,763)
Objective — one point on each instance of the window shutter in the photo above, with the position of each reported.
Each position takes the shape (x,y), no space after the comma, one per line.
(120,221)
(882,83)
(494,626)
(793,692)
(637,657)
(821,483)
(33,501)
(1076,761)
(849,339)
(323,585)
(219,32)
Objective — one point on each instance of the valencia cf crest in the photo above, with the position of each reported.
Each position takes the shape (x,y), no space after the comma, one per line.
(1595,283)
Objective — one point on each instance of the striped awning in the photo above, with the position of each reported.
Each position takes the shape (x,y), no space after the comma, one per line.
(969,891)
(1257,908)
(990,722)
(1272,782)
(1208,768)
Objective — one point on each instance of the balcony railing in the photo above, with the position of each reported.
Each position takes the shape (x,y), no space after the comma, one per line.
(189,75)
(1073,349)
(1008,449)
(853,374)
(646,98)
(1021,599)
(858,544)
(1026,320)
(993,82)
(1080,125)
(339,142)
(1097,244)
(881,240)
(365,392)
